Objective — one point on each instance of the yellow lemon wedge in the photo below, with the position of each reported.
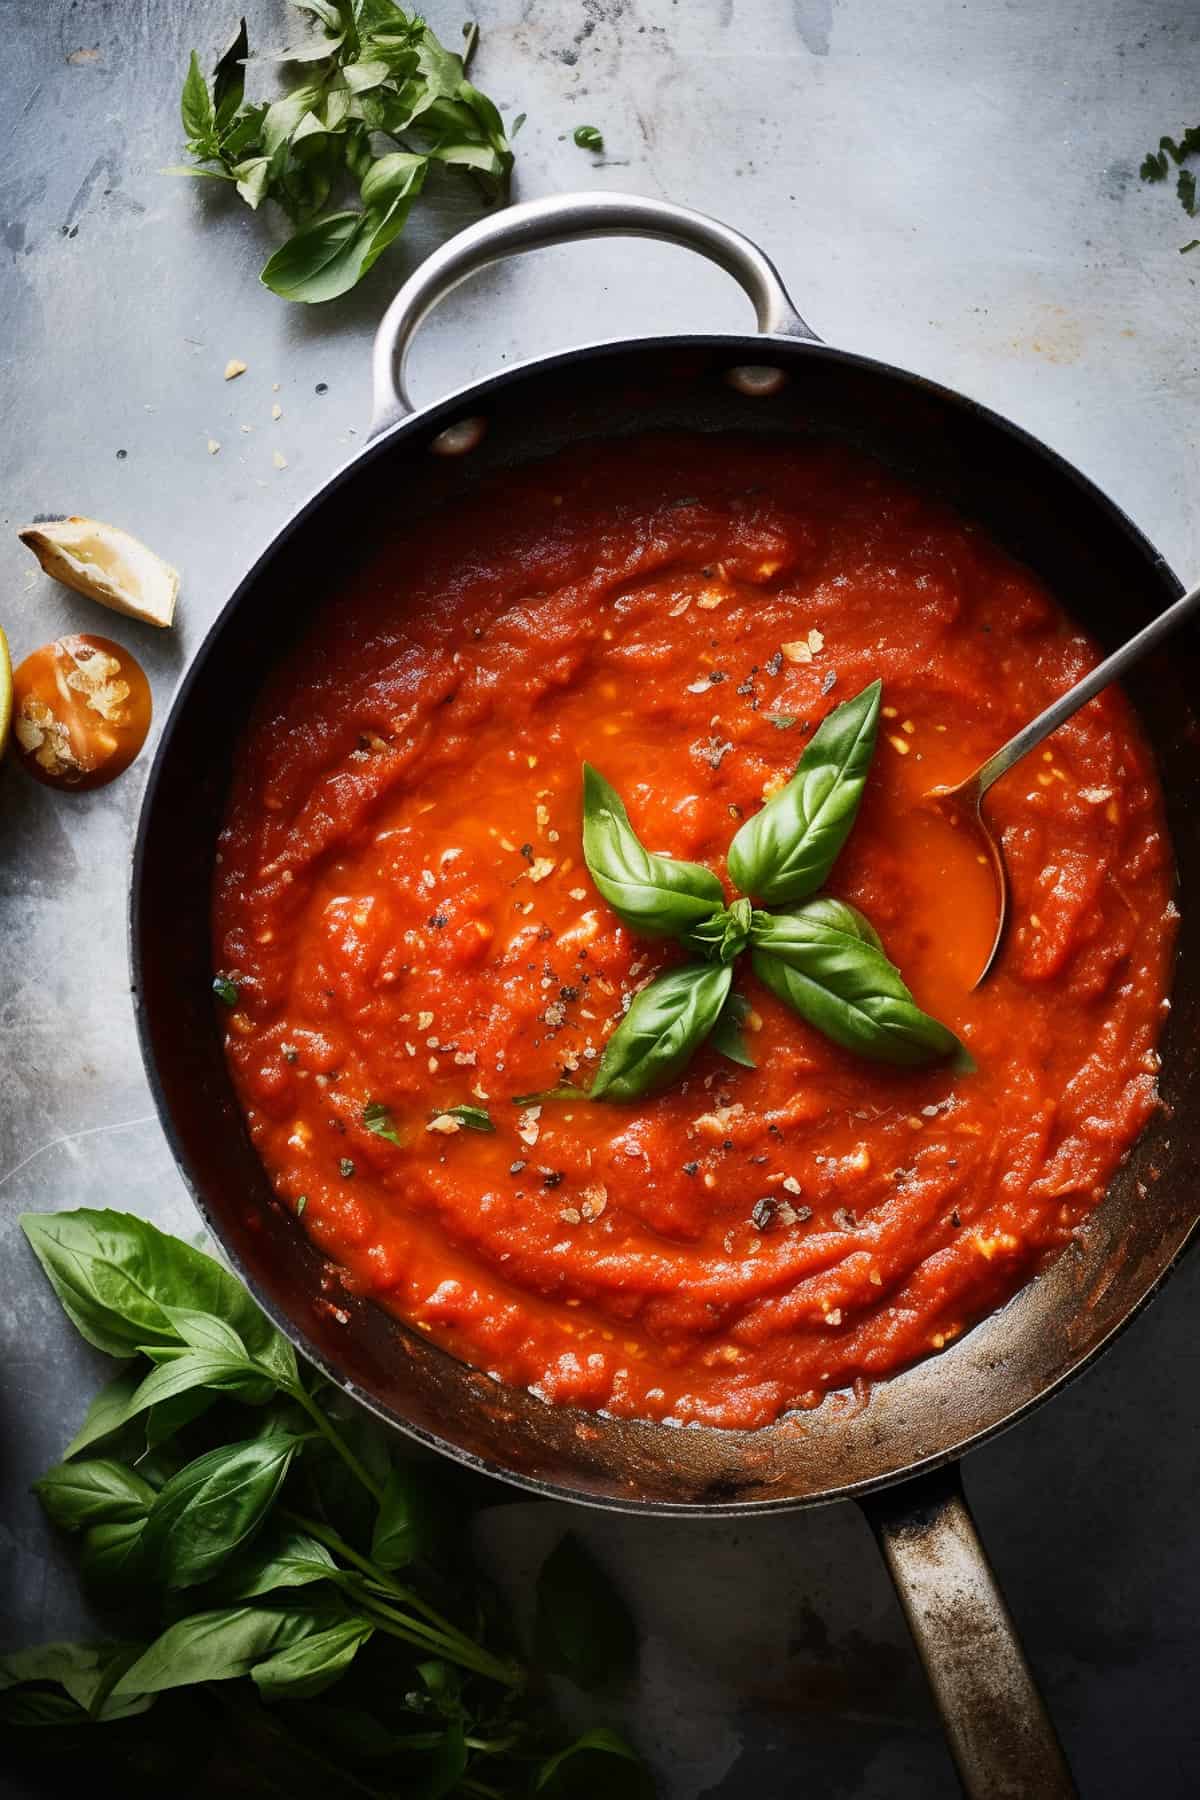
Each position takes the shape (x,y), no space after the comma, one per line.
(107,564)
(5,692)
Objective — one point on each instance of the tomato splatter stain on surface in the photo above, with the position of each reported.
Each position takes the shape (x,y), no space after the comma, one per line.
(403,904)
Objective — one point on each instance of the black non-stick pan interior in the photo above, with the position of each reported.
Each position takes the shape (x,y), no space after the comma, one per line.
(1102,571)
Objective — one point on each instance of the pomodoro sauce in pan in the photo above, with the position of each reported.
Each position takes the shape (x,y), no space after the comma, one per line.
(403,906)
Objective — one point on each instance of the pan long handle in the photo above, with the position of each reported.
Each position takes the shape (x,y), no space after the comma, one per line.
(1001,1736)
(561,219)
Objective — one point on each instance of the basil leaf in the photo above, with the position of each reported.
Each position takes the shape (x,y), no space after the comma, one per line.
(585,1770)
(471,1118)
(582,1627)
(654,894)
(826,962)
(564,1091)
(252,177)
(197,112)
(212,1507)
(169,1417)
(110,1556)
(215,1646)
(664,1027)
(407,1521)
(288,1559)
(100,1492)
(726,934)
(229,81)
(323,260)
(315,1663)
(391,177)
(226,991)
(785,852)
(84,1671)
(588,137)
(728,1036)
(116,1275)
(448,1764)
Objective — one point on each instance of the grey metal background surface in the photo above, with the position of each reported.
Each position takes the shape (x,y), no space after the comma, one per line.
(950,187)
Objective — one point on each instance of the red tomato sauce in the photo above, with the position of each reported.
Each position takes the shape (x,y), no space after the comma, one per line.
(403,903)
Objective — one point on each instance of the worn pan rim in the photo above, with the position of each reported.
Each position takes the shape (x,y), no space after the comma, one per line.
(431,420)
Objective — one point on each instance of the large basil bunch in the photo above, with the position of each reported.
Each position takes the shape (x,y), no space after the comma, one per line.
(821,957)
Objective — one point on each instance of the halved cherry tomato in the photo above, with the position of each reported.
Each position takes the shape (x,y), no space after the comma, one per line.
(81,711)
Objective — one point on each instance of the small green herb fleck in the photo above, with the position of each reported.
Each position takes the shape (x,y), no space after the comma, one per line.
(782,721)
(516,125)
(1194,245)
(588,137)
(226,991)
(346,1168)
(563,1092)
(301,1203)
(378,1118)
(474,1118)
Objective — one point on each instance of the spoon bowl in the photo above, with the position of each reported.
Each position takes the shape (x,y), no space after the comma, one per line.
(962,803)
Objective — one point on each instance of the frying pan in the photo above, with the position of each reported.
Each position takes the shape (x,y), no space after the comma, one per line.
(897,1455)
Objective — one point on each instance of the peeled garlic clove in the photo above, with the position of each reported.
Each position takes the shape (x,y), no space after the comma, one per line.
(107,565)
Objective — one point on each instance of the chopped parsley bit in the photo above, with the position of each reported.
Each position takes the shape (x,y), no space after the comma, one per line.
(692,1168)
(301,1203)
(782,721)
(762,1215)
(346,1168)
(226,991)
(589,137)
(377,1118)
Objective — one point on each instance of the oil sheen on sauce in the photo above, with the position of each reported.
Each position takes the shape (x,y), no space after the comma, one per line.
(403,903)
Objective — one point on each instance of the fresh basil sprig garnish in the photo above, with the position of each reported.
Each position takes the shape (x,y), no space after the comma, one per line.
(785,852)
(666,1024)
(654,894)
(826,962)
(270,1545)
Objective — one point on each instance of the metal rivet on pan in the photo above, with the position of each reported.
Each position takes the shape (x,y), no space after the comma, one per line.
(456,440)
(756,380)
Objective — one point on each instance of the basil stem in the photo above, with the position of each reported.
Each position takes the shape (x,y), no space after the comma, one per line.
(785,852)
(654,894)
(826,962)
(666,1024)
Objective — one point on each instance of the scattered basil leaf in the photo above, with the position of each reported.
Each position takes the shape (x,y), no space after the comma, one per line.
(380,100)
(472,1118)
(378,1118)
(286,1559)
(582,1627)
(314,1663)
(782,721)
(212,1507)
(785,852)
(215,1646)
(110,1556)
(666,1024)
(564,1091)
(83,1671)
(114,1274)
(826,962)
(585,1770)
(226,991)
(654,894)
(99,1492)
(729,1037)
(588,137)
(726,933)
(406,1525)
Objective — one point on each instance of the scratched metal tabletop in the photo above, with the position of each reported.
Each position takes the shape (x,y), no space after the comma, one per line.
(950,187)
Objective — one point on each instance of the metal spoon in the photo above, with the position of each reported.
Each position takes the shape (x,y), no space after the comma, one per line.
(964,801)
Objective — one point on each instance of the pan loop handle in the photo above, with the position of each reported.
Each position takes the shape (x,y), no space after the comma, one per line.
(562,219)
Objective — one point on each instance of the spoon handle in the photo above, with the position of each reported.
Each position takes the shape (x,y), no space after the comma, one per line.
(1111,669)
